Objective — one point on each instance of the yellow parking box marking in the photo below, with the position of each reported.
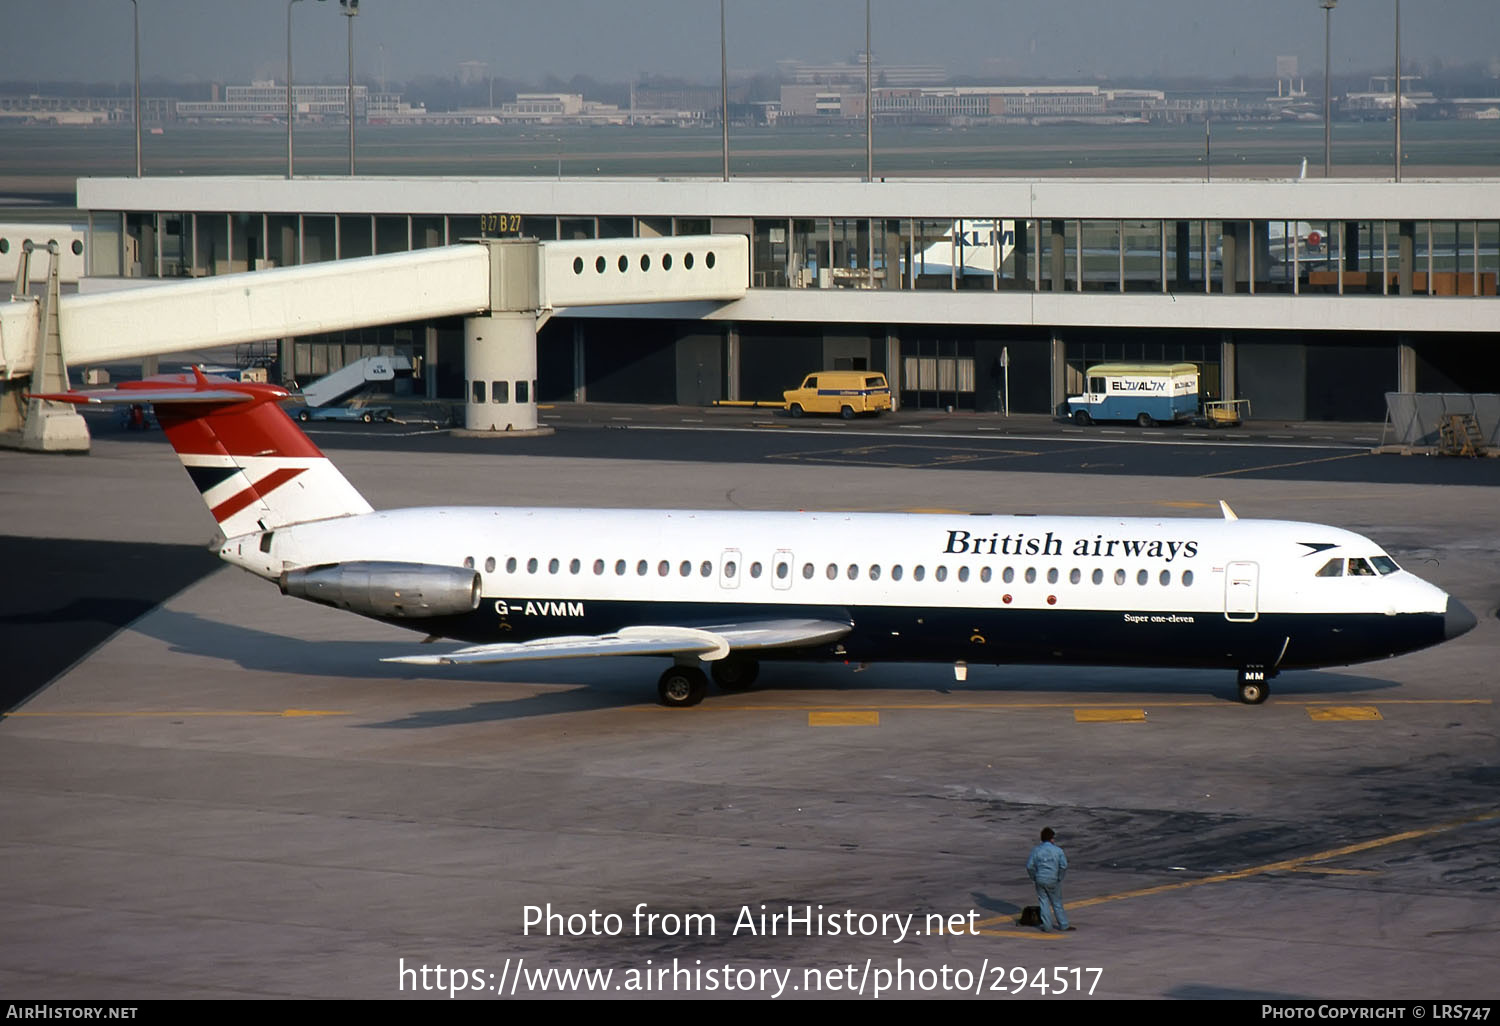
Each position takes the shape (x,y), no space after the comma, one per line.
(857,718)
(1343,712)
(1109,715)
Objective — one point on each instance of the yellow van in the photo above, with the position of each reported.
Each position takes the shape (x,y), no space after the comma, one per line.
(843,392)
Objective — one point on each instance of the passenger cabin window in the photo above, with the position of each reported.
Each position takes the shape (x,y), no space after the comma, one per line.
(1332,568)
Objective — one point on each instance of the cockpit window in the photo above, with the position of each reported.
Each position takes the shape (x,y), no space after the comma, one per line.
(1360,568)
(1385,564)
(1332,568)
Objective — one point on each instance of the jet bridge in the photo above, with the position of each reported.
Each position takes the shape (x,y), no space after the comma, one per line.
(505,289)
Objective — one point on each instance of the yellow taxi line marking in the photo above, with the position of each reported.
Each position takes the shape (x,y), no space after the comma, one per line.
(1330,713)
(1109,715)
(852,718)
(970,706)
(181,714)
(1285,865)
(1278,466)
(1325,871)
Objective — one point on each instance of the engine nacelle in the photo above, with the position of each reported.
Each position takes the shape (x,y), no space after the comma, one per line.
(374,588)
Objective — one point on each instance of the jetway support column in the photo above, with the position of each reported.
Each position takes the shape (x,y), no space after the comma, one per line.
(52,427)
(500,345)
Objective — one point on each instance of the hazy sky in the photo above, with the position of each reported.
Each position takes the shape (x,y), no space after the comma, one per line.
(235,40)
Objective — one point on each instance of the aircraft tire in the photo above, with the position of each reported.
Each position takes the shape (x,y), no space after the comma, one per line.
(795,409)
(681,687)
(734,673)
(1082,418)
(1144,419)
(1253,692)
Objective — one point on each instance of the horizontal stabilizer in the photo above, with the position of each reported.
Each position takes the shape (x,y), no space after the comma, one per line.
(708,643)
(146,395)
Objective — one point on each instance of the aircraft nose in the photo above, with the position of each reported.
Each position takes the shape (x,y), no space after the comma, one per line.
(1457,619)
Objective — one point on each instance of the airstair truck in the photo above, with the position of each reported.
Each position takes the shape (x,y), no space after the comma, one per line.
(324,398)
(1147,393)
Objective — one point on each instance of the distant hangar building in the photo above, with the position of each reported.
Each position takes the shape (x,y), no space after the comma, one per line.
(1312,298)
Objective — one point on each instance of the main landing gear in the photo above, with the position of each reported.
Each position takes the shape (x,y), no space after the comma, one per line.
(685,685)
(1254,686)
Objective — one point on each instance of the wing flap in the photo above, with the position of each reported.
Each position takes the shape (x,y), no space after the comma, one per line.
(709,643)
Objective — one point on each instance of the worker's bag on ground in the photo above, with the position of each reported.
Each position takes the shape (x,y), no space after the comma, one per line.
(1031,915)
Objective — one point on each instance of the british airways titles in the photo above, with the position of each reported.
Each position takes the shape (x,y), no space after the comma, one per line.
(1019,544)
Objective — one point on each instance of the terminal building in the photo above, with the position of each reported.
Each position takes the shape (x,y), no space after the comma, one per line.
(1311,298)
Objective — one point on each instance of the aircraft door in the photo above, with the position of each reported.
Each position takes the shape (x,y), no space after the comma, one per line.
(1242,592)
(729,568)
(781,570)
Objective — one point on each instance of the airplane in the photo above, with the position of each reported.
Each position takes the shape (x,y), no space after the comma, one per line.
(730,588)
(978,246)
(982,247)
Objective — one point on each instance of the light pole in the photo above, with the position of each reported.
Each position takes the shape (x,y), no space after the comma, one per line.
(136,112)
(869,109)
(724,86)
(1328,6)
(291,111)
(1398,90)
(350,9)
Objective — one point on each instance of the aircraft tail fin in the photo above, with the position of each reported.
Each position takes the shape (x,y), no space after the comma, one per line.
(253,466)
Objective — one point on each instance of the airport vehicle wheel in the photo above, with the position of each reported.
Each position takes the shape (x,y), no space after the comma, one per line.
(1144,419)
(304,416)
(1082,418)
(367,418)
(681,686)
(795,409)
(734,673)
(1253,692)
(847,412)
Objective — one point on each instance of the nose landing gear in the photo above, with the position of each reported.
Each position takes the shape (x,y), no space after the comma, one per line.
(1254,685)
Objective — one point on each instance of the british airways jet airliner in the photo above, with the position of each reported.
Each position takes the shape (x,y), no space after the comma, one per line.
(731,589)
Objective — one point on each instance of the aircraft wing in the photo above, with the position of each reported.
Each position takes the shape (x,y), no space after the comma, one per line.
(708,642)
